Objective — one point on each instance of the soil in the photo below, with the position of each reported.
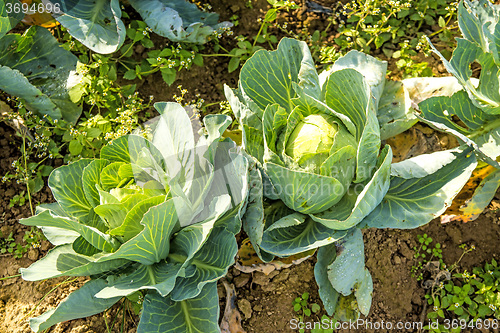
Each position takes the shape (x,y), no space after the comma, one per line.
(264,301)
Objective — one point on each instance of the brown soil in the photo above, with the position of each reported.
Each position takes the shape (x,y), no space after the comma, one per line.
(265,302)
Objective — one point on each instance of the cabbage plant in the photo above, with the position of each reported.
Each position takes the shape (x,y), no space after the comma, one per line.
(477,104)
(156,217)
(97,24)
(321,173)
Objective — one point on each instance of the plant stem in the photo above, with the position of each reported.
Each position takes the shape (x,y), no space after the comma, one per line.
(10,277)
(26,171)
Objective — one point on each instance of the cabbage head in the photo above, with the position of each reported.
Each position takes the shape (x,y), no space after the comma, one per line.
(153,219)
(321,172)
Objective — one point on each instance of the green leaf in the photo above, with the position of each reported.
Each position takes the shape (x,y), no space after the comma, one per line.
(295,233)
(395,114)
(198,314)
(329,296)
(210,264)
(41,74)
(168,75)
(357,204)
(90,178)
(304,192)
(159,277)
(96,238)
(64,261)
(152,244)
(75,147)
(418,193)
(66,185)
(233,65)
(96,24)
(268,75)
(346,91)
(8,20)
(79,304)
(178,20)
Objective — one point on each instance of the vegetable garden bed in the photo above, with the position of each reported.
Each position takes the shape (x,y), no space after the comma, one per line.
(267,298)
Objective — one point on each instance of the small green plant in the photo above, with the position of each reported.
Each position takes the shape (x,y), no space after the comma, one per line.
(406,62)
(31,238)
(468,301)
(303,309)
(424,254)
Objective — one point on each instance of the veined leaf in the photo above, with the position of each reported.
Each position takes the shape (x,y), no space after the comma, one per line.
(79,304)
(41,74)
(178,20)
(64,261)
(268,75)
(196,315)
(96,23)
(412,202)
(8,20)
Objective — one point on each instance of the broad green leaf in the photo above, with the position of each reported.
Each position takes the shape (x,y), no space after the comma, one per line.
(8,20)
(41,74)
(346,91)
(413,202)
(64,261)
(159,277)
(131,225)
(486,94)
(79,304)
(152,244)
(98,239)
(90,177)
(59,236)
(110,177)
(364,293)
(196,315)
(394,113)
(210,264)
(372,69)
(268,75)
(482,129)
(297,233)
(348,268)
(178,20)
(67,187)
(360,199)
(329,296)
(113,214)
(96,24)
(304,192)
(253,219)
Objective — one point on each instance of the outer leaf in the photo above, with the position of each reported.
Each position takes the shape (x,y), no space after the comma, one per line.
(159,277)
(41,74)
(178,20)
(99,240)
(297,233)
(197,315)
(210,264)
(348,268)
(395,114)
(253,219)
(268,75)
(64,261)
(329,296)
(79,304)
(482,129)
(372,69)
(95,23)
(355,205)
(67,187)
(91,177)
(412,202)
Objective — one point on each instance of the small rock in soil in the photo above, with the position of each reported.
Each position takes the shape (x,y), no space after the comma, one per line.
(245,308)
(260,278)
(241,280)
(282,276)
(33,254)
(258,307)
